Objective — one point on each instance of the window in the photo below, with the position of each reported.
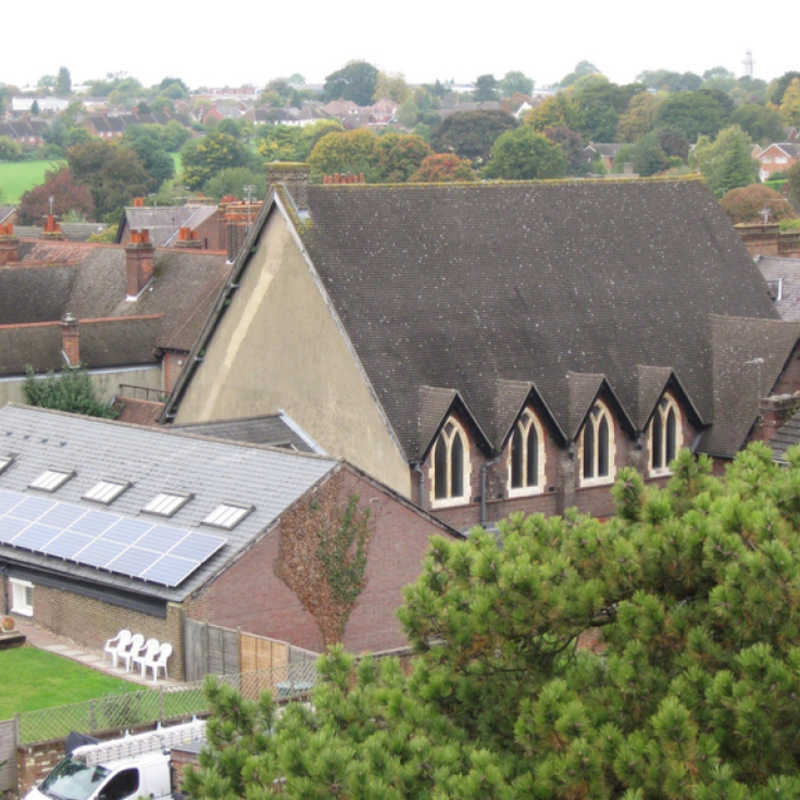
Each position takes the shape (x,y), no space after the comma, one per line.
(227,516)
(165,505)
(21,597)
(526,456)
(666,435)
(450,466)
(106,491)
(597,448)
(50,480)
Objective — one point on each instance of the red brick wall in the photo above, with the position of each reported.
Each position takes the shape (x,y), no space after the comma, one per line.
(249,595)
(171,366)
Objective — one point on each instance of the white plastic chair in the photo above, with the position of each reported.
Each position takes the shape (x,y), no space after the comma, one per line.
(159,661)
(136,647)
(151,647)
(116,646)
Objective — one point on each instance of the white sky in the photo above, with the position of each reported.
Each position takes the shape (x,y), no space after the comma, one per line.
(217,43)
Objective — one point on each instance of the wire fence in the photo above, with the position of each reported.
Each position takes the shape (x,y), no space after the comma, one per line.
(160,704)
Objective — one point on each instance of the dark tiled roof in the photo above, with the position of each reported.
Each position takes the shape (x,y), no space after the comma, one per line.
(462,285)
(163,222)
(783,278)
(785,437)
(74,231)
(272,429)
(747,356)
(153,460)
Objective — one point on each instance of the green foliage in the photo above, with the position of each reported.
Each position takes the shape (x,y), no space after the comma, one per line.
(356,82)
(790,104)
(700,113)
(667,80)
(727,163)
(233,180)
(638,118)
(692,596)
(793,183)
(204,157)
(350,152)
(598,104)
(17,177)
(780,86)
(515,82)
(485,88)
(10,150)
(471,134)
(63,82)
(442,168)
(149,142)
(400,155)
(108,234)
(67,196)
(761,123)
(524,154)
(71,390)
(582,70)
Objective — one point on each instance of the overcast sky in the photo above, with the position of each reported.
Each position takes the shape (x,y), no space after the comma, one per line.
(219,43)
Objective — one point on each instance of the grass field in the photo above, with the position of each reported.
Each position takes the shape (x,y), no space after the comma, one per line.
(37,679)
(16,177)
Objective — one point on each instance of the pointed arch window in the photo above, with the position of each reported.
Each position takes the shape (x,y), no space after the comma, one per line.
(597,447)
(450,465)
(526,456)
(665,435)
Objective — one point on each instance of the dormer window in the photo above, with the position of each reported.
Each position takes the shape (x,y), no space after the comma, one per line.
(165,504)
(227,516)
(50,480)
(450,466)
(106,491)
(597,447)
(666,435)
(526,456)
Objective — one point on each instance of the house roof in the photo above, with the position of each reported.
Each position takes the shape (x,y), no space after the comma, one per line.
(785,437)
(89,280)
(277,430)
(153,460)
(792,149)
(783,278)
(570,286)
(74,231)
(164,222)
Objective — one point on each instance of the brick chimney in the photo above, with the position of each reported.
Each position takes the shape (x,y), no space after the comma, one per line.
(138,202)
(139,254)
(52,230)
(70,336)
(294,176)
(9,245)
(188,238)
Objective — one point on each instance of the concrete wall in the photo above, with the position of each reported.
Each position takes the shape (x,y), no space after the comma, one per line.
(278,347)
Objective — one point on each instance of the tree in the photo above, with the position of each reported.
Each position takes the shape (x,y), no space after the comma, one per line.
(352,152)
(651,656)
(355,82)
(515,82)
(700,113)
(556,111)
(485,88)
(10,150)
(790,104)
(781,85)
(471,134)
(598,104)
(727,163)
(582,69)
(648,156)
(793,183)
(747,203)
(400,155)
(763,124)
(172,88)
(233,180)
(443,168)
(67,196)
(148,142)
(524,154)
(393,87)
(572,145)
(202,158)
(63,85)
(638,118)
(71,390)
(664,79)
(112,172)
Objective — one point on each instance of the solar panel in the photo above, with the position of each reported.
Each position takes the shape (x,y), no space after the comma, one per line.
(135,547)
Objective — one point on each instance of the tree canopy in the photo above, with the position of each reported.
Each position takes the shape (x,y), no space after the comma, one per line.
(356,82)
(525,154)
(203,158)
(471,134)
(68,196)
(655,655)
(726,163)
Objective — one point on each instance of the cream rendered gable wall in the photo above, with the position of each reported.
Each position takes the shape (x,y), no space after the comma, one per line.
(278,346)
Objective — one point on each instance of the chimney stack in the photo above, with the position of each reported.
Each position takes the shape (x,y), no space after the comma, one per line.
(139,256)
(70,340)
(294,176)
(188,238)
(9,245)
(52,230)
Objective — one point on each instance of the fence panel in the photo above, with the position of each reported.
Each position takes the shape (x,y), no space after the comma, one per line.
(210,649)
(8,756)
(195,649)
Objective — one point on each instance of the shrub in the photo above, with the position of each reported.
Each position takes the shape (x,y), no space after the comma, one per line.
(746,203)
(72,390)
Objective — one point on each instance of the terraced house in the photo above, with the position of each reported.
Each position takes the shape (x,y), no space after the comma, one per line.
(495,347)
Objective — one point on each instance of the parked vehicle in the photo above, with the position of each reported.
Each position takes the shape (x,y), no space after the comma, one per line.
(130,767)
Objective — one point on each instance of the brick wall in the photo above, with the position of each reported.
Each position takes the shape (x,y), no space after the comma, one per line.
(91,623)
(249,595)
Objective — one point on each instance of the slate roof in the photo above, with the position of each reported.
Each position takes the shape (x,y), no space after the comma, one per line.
(154,460)
(785,437)
(163,222)
(88,280)
(277,430)
(531,282)
(792,149)
(74,231)
(783,279)
(570,286)
(6,212)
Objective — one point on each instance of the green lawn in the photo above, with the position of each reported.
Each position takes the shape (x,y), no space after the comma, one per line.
(37,679)
(16,177)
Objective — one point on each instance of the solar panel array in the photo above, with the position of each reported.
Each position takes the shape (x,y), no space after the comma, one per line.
(135,547)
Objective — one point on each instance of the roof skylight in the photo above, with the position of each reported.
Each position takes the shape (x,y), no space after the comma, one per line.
(165,504)
(5,461)
(50,480)
(227,516)
(106,491)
